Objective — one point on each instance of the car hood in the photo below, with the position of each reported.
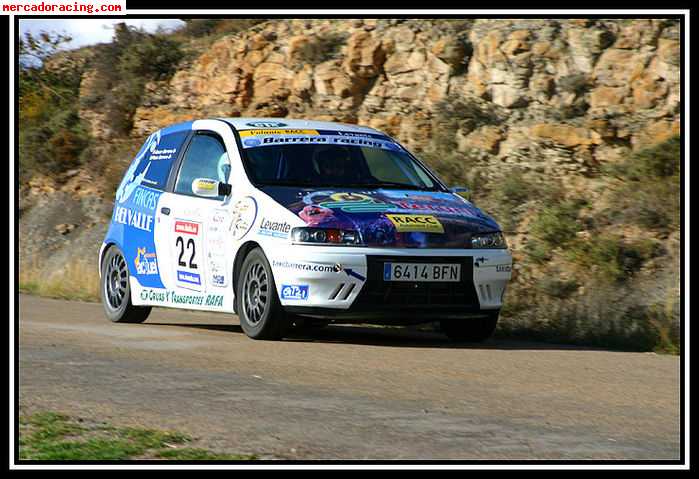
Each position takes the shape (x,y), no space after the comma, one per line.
(388,217)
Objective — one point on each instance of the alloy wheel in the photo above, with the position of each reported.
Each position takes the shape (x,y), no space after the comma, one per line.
(255,293)
(115,281)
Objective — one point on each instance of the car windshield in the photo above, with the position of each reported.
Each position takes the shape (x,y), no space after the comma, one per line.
(320,165)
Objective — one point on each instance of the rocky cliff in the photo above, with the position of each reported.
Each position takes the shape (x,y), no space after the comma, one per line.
(594,87)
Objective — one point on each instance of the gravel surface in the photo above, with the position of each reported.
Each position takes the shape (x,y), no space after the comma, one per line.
(347,392)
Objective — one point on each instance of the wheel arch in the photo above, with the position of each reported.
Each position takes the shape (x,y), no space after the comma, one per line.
(243,251)
(103,253)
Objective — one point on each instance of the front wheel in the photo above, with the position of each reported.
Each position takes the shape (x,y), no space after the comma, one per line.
(474,330)
(116,290)
(260,312)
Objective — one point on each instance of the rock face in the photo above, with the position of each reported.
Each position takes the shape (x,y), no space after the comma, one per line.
(557,81)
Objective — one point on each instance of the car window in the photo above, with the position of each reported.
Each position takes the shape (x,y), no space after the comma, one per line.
(334,165)
(206,157)
(389,166)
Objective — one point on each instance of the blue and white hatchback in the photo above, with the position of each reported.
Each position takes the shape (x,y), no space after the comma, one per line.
(298,222)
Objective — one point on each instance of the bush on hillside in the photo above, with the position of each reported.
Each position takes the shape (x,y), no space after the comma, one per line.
(649,195)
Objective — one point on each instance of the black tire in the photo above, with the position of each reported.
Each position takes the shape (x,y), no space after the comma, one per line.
(304,324)
(260,312)
(473,330)
(115,290)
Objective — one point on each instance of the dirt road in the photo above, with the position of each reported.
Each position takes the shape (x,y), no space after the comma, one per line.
(347,392)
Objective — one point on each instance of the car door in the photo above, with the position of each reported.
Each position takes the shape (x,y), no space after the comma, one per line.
(197,243)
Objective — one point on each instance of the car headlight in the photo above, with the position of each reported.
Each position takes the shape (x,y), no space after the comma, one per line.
(325,236)
(488,240)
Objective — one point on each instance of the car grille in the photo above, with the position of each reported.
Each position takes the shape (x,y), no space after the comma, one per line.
(381,294)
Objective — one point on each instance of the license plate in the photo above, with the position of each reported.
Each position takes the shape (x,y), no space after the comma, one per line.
(444,272)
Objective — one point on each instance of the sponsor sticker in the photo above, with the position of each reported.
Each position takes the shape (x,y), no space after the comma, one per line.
(186,227)
(246,133)
(205,184)
(136,219)
(287,138)
(295,291)
(266,124)
(411,223)
(190,278)
(270,136)
(503,268)
(163,154)
(302,266)
(433,206)
(276,229)
(170,297)
(146,263)
(244,214)
(145,198)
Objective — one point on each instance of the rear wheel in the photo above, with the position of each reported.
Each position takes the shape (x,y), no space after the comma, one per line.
(260,312)
(116,290)
(473,330)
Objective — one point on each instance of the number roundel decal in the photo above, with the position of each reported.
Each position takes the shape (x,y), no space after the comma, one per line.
(187,248)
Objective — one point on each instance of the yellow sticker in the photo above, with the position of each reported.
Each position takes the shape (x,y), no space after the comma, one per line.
(204,184)
(246,133)
(424,223)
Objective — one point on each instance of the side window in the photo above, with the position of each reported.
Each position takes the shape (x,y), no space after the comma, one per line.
(152,164)
(206,157)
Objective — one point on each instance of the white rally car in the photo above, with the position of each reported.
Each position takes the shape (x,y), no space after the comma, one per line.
(284,221)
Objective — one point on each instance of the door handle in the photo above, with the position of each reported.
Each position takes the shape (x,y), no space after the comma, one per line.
(165,210)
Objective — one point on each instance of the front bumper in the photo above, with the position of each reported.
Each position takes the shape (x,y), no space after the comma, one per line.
(347,282)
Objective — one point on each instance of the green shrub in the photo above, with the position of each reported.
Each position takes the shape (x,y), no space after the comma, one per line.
(51,134)
(322,48)
(154,57)
(650,193)
(515,189)
(557,224)
(196,28)
(538,251)
(124,66)
(611,257)
(659,161)
(457,112)
(558,288)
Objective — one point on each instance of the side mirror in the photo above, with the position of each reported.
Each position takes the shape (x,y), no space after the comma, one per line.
(209,188)
(462,191)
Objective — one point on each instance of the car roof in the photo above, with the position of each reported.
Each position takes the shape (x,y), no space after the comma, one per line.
(248,123)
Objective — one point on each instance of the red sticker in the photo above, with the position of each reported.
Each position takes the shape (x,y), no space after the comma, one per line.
(186,227)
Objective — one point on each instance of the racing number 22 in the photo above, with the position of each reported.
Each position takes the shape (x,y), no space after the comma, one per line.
(190,245)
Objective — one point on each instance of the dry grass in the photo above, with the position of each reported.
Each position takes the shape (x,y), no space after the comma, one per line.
(603,317)
(78,279)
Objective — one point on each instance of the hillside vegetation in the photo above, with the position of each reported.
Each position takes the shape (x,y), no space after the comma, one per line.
(565,130)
